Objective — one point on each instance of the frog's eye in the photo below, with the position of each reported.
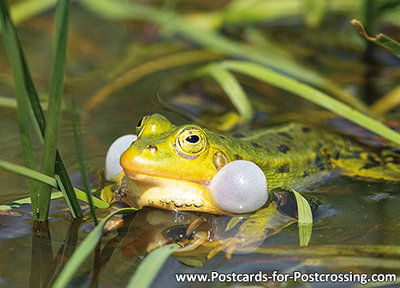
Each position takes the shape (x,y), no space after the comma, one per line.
(191,140)
(141,123)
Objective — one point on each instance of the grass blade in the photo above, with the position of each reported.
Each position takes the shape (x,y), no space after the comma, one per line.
(33,174)
(24,10)
(152,66)
(26,84)
(12,46)
(150,266)
(231,87)
(311,94)
(305,219)
(380,39)
(84,250)
(81,157)
(387,102)
(62,188)
(55,100)
(61,171)
(79,194)
(27,172)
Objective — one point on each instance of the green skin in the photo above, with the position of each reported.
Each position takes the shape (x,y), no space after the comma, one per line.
(295,155)
(286,153)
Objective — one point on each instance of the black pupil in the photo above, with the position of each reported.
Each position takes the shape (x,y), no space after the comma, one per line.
(140,123)
(193,139)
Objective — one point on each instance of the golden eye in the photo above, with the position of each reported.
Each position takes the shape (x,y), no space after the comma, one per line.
(141,123)
(191,140)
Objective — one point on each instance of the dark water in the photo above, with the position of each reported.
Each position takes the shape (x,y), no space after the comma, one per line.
(356,225)
(352,215)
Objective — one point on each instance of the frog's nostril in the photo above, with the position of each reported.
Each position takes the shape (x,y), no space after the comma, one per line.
(152,148)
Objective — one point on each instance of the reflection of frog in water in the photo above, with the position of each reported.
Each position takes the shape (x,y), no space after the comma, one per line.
(170,167)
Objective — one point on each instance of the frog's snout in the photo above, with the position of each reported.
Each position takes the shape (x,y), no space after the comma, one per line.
(137,160)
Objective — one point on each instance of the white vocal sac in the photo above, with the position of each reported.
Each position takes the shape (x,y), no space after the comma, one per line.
(239,187)
(113,168)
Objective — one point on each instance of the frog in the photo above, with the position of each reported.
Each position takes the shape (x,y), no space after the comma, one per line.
(171,166)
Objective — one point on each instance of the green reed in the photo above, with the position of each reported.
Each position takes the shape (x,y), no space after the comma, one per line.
(28,104)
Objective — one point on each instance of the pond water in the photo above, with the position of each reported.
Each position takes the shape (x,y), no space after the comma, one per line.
(355,226)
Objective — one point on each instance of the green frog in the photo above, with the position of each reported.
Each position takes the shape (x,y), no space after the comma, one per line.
(171,167)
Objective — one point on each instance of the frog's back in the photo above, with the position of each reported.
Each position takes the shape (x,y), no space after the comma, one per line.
(289,153)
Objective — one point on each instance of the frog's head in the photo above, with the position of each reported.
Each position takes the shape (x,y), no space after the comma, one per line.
(175,164)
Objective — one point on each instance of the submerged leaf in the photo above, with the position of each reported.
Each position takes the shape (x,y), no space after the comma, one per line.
(254,230)
(150,266)
(85,249)
(235,220)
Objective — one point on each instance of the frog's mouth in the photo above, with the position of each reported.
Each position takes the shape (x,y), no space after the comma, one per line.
(140,190)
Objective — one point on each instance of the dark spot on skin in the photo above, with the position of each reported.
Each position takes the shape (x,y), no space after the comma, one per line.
(356,154)
(283,148)
(152,148)
(305,173)
(393,149)
(336,154)
(237,157)
(371,163)
(306,129)
(284,169)
(318,161)
(238,135)
(222,137)
(392,159)
(254,144)
(284,134)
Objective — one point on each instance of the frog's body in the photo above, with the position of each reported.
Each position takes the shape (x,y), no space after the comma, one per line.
(171,166)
